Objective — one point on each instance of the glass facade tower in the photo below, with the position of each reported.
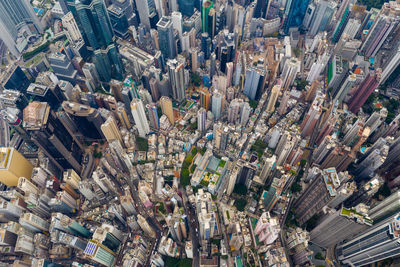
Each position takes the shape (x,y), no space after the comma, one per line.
(294,13)
(93,20)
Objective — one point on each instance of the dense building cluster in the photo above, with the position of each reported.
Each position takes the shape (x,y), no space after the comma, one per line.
(199,133)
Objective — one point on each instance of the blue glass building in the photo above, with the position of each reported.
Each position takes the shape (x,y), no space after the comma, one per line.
(186,7)
(294,13)
(95,25)
(254,83)
(166,37)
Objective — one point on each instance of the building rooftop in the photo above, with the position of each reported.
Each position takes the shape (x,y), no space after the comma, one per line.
(36,115)
(116,10)
(37,89)
(77,109)
(164,22)
(9,96)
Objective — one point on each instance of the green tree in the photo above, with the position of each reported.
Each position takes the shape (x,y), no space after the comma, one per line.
(372,3)
(185,178)
(31,54)
(193,126)
(240,204)
(296,187)
(301,84)
(253,104)
(142,144)
(240,189)
(196,79)
(193,168)
(174,262)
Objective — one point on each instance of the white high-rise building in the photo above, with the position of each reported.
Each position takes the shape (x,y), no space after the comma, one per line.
(176,18)
(315,71)
(323,15)
(377,243)
(72,31)
(345,88)
(216,105)
(145,8)
(290,70)
(201,120)
(232,179)
(91,75)
(376,119)
(18,19)
(173,5)
(234,109)
(205,211)
(269,165)
(139,117)
(176,72)
(352,28)
(391,65)
(245,114)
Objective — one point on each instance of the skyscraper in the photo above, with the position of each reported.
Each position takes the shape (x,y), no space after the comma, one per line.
(390,65)
(99,253)
(127,9)
(254,83)
(72,31)
(119,21)
(322,16)
(319,193)
(139,117)
(216,104)
(377,35)
(273,97)
(176,18)
(294,13)
(186,7)
(363,92)
(146,10)
(373,245)
(95,25)
(152,114)
(260,9)
(48,133)
(343,16)
(92,77)
(347,85)
(233,110)
(245,114)
(205,98)
(337,71)
(269,166)
(166,37)
(17,18)
(385,208)
(176,72)
(111,131)
(336,226)
(15,79)
(167,109)
(207,6)
(13,165)
(201,120)
(290,70)
(87,119)
(311,119)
